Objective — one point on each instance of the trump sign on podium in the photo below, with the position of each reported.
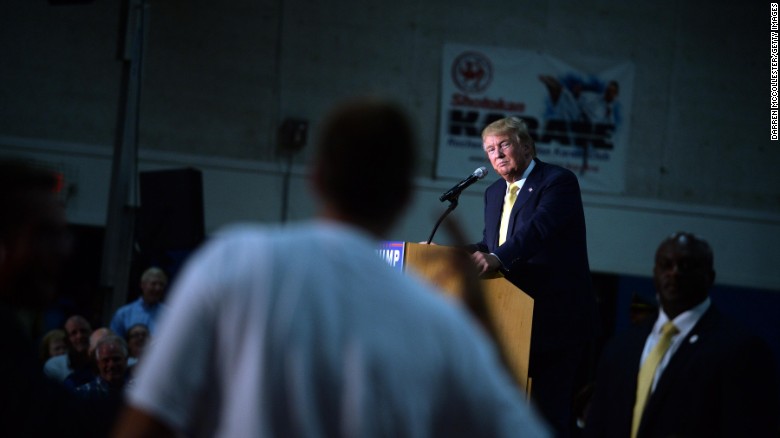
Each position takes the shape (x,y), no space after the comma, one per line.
(393,253)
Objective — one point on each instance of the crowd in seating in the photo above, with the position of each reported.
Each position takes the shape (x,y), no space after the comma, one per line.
(92,363)
(99,363)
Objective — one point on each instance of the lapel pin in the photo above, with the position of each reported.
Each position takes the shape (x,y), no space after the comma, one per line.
(530,189)
(693,339)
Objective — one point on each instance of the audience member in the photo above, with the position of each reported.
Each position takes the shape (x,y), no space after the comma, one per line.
(147,308)
(98,334)
(33,244)
(77,359)
(534,233)
(692,372)
(88,373)
(307,329)
(137,338)
(53,343)
(111,359)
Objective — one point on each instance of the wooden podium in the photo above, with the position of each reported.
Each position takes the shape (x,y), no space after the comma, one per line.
(508,309)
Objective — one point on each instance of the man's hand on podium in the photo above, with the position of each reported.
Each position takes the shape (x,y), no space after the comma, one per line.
(486,263)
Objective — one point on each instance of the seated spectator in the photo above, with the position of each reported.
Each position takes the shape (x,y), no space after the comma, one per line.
(87,373)
(137,338)
(53,344)
(78,330)
(95,337)
(111,359)
(146,308)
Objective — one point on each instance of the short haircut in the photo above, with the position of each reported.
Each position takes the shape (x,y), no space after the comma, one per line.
(153,272)
(137,326)
(698,246)
(77,319)
(514,127)
(366,160)
(51,336)
(111,339)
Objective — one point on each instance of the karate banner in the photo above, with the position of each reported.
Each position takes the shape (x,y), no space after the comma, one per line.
(579,120)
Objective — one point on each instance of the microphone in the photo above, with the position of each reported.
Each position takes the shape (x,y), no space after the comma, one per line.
(454,192)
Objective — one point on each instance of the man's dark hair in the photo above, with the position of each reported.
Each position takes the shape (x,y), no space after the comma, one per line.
(365,160)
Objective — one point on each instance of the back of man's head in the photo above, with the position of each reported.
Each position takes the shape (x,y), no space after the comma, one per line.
(365,164)
(32,234)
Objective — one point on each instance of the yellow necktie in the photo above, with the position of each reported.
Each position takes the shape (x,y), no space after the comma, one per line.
(509,202)
(647,372)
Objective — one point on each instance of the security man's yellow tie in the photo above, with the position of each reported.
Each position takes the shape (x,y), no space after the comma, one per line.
(647,372)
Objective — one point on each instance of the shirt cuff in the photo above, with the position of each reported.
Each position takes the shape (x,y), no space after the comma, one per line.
(499,261)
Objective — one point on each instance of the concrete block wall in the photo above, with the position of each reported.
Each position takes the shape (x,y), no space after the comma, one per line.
(220,77)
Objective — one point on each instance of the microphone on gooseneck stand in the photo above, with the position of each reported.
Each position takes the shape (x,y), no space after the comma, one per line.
(453,194)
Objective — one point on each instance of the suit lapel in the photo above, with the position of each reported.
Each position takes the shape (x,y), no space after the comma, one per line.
(529,187)
(676,368)
(494,203)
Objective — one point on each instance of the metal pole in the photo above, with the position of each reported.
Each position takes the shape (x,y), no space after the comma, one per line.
(119,235)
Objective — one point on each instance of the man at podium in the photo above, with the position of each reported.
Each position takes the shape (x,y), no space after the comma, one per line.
(534,233)
(302,331)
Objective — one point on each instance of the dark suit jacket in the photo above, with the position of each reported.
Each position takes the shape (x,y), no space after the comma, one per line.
(720,382)
(545,254)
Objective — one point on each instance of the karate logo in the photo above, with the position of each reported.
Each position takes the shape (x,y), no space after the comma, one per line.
(472,72)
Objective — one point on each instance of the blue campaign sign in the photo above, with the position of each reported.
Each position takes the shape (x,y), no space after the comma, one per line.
(393,253)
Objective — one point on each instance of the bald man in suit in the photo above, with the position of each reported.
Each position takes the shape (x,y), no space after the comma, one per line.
(715,378)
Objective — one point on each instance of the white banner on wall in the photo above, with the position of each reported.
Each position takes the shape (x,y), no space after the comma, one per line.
(579,120)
